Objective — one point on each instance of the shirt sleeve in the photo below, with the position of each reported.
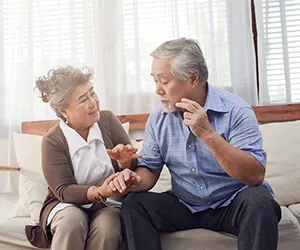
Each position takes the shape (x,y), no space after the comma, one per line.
(245,135)
(151,153)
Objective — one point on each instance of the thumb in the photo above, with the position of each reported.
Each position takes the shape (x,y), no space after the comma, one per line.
(110,153)
(112,177)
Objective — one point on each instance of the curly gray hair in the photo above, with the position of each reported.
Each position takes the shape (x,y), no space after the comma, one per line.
(57,86)
(186,58)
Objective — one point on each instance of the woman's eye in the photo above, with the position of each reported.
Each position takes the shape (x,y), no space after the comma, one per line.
(93,93)
(165,82)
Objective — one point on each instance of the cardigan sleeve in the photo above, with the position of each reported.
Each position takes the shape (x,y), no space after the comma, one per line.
(58,172)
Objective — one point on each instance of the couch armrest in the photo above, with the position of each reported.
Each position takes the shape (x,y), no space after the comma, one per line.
(7,168)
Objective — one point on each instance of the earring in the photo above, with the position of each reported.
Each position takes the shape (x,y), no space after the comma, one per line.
(67,120)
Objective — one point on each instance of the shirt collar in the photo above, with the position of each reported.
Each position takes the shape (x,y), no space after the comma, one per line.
(213,100)
(75,141)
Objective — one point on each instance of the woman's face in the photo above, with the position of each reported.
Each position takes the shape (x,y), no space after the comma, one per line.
(83,109)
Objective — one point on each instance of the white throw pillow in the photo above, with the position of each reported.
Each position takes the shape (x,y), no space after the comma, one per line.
(137,144)
(21,208)
(126,126)
(281,141)
(32,184)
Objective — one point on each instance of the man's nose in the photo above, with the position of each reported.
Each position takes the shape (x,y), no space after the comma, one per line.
(159,89)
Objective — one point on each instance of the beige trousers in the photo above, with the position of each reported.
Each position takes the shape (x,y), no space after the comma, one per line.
(74,229)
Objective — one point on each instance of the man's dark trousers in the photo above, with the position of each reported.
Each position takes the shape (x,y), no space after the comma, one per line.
(253,216)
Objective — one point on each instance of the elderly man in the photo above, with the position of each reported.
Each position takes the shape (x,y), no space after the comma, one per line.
(210,141)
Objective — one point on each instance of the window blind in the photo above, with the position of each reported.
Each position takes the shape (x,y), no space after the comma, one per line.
(281,51)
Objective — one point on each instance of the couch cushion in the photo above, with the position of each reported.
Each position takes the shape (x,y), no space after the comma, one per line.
(32,186)
(198,239)
(12,235)
(281,141)
(295,209)
(288,231)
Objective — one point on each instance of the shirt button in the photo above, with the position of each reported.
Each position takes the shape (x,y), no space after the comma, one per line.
(193,169)
(190,146)
(201,187)
(208,203)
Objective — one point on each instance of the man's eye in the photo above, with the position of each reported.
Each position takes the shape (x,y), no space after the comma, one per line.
(84,100)
(165,82)
(93,93)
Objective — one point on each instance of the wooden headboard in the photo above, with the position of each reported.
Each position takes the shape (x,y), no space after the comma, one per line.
(264,114)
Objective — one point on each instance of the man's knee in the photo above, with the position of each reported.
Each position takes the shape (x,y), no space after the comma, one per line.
(133,200)
(258,200)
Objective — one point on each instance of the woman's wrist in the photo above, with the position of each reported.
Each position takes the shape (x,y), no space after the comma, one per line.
(125,164)
(96,194)
(91,193)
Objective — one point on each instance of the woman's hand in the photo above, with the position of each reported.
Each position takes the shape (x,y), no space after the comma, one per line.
(105,190)
(125,181)
(123,155)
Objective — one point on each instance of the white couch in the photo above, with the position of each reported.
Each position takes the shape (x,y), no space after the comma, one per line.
(281,142)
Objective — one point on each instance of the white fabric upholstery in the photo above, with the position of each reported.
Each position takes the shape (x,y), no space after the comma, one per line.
(281,141)
(295,209)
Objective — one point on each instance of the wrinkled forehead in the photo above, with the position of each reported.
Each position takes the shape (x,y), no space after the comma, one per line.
(161,68)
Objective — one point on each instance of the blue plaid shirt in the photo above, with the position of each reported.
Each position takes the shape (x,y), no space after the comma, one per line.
(197,178)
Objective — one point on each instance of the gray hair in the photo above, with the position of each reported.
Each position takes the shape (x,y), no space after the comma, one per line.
(186,58)
(58,85)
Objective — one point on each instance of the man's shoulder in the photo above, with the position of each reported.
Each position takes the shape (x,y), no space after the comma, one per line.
(231,101)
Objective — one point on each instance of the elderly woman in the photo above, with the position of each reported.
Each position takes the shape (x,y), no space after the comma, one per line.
(81,211)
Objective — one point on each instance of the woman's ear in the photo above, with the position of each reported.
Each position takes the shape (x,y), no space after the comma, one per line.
(194,78)
(62,112)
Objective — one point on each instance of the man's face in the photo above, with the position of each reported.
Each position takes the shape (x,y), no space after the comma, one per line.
(168,87)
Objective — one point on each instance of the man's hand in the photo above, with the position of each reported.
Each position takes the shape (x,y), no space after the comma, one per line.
(195,118)
(123,154)
(125,181)
(105,191)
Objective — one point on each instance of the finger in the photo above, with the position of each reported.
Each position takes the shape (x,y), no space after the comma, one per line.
(135,156)
(112,177)
(122,184)
(187,106)
(110,153)
(195,104)
(129,147)
(127,175)
(112,186)
(187,115)
(117,185)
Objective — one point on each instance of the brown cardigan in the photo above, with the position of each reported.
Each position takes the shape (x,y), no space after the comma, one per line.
(59,174)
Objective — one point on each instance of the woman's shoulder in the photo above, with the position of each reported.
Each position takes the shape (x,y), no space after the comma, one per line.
(54,134)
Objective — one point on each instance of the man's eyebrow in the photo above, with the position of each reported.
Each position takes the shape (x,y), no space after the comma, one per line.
(83,95)
(161,75)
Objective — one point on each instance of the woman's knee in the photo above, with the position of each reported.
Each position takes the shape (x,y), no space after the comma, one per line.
(70,221)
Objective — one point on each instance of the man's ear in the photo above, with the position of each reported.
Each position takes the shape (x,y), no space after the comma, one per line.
(62,112)
(194,78)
